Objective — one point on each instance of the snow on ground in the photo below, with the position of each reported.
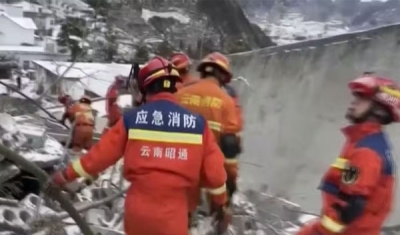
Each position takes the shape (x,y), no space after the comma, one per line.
(147,14)
(292,28)
(28,89)
(95,77)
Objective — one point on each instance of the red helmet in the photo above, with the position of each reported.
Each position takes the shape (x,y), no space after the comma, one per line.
(218,60)
(156,68)
(85,99)
(383,90)
(180,61)
(63,99)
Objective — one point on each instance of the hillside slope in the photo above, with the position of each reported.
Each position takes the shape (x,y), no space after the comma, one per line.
(296,107)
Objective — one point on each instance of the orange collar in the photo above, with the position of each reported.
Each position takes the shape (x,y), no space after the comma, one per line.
(357,131)
(163,96)
(210,80)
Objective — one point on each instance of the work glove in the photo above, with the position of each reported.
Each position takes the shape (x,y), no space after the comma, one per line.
(223,217)
(59,179)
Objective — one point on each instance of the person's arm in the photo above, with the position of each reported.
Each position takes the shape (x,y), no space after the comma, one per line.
(230,123)
(359,178)
(212,170)
(105,153)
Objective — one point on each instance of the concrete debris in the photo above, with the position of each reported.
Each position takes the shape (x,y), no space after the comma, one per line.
(101,203)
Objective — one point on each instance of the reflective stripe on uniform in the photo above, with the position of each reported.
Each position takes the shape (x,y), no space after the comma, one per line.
(216,126)
(332,225)
(231,161)
(77,166)
(217,191)
(162,136)
(340,163)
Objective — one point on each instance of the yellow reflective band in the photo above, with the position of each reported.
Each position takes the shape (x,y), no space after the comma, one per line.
(168,137)
(390,91)
(222,64)
(77,166)
(216,126)
(162,72)
(217,191)
(332,225)
(231,161)
(340,163)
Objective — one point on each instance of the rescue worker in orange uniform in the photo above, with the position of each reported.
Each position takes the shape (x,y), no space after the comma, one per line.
(80,116)
(358,188)
(182,62)
(207,98)
(167,150)
(112,108)
(233,94)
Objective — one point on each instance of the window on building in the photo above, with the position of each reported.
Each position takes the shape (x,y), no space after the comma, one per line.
(26,64)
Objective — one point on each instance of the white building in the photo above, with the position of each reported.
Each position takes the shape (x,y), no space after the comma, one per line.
(92,79)
(16,30)
(42,16)
(23,55)
(67,8)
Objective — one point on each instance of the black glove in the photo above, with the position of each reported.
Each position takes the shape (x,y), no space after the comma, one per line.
(223,217)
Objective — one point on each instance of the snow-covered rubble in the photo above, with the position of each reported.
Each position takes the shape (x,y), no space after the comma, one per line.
(30,141)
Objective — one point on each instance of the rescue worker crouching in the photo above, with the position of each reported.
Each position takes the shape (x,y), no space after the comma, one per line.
(80,116)
(358,188)
(182,63)
(112,108)
(207,98)
(167,150)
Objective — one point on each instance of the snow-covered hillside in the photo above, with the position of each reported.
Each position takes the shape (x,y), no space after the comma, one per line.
(293,28)
(292,21)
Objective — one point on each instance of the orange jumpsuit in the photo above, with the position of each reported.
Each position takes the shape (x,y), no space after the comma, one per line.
(167,150)
(186,80)
(208,99)
(112,108)
(358,189)
(82,115)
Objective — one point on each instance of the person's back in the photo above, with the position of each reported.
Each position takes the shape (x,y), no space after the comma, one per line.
(167,151)
(163,164)
(208,99)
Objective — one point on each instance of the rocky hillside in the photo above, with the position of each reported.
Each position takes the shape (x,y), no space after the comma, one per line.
(295,20)
(194,26)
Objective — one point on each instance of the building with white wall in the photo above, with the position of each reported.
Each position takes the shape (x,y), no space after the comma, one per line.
(42,16)
(16,30)
(92,79)
(23,55)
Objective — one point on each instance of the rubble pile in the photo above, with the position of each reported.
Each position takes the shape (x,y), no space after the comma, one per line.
(25,209)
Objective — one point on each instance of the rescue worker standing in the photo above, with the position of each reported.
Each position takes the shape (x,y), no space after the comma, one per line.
(112,108)
(207,98)
(233,94)
(80,116)
(182,62)
(358,188)
(166,150)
